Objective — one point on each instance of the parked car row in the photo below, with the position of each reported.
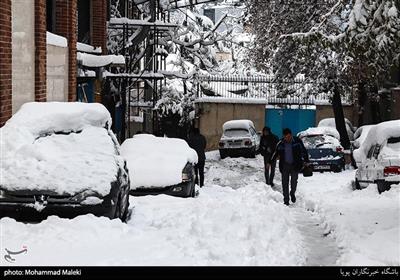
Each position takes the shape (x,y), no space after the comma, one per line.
(63,159)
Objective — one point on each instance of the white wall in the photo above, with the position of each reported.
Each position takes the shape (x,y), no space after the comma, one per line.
(57,73)
(23,52)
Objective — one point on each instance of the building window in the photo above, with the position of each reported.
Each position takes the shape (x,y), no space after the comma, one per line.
(50,15)
(84,21)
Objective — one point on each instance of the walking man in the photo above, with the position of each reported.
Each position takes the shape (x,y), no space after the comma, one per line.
(292,156)
(198,143)
(268,144)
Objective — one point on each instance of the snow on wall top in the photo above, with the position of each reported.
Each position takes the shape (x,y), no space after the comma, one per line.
(324,130)
(56,40)
(377,134)
(90,60)
(34,158)
(238,124)
(81,47)
(156,161)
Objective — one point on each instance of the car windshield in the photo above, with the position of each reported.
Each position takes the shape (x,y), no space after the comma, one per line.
(313,141)
(236,133)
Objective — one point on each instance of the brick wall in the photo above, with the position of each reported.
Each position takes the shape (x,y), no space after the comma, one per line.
(5,62)
(66,26)
(40,50)
(99,18)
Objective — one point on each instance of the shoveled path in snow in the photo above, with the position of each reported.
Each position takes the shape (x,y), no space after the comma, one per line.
(239,172)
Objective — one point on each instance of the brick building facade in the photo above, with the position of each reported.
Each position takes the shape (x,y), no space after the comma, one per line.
(17,40)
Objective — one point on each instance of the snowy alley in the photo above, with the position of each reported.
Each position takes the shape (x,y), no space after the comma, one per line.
(235,220)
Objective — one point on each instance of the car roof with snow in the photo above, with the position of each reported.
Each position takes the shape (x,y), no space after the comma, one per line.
(377,134)
(59,147)
(238,124)
(156,161)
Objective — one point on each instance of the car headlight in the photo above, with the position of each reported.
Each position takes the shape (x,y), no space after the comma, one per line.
(85,194)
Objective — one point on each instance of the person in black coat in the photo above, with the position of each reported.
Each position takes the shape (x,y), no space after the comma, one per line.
(198,143)
(268,144)
(292,157)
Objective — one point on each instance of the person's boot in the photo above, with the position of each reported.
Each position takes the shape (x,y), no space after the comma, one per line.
(286,203)
(293,197)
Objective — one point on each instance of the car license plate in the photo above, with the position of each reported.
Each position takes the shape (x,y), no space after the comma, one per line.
(321,167)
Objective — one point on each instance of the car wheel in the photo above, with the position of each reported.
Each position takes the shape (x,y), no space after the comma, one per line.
(357,185)
(383,186)
(252,153)
(125,207)
(222,154)
(121,208)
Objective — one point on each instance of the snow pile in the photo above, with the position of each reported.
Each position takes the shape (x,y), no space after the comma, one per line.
(377,134)
(222,226)
(324,130)
(90,60)
(360,135)
(81,47)
(56,40)
(35,157)
(156,161)
(238,124)
(365,224)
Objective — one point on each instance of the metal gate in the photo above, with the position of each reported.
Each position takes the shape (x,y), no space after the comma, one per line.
(295,119)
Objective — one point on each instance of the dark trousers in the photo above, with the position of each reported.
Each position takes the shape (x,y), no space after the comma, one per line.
(199,170)
(289,171)
(269,172)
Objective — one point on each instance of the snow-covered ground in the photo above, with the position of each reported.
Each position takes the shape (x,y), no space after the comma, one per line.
(236,220)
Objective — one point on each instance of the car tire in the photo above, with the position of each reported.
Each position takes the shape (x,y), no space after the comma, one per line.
(382,186)
(222,154)
(252,153)
(122,212)
(357,185)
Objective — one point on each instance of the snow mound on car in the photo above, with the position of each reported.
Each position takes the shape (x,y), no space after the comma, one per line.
(377,134)
(238,124)
(324,130)
(156,161)
(35,156)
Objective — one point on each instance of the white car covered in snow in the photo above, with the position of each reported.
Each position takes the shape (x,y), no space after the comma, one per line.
(330,122)
(62,159)
(239,138)
(160,165)
(378,157)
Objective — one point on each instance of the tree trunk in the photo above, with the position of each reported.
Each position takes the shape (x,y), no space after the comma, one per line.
(362,97)
(339,118)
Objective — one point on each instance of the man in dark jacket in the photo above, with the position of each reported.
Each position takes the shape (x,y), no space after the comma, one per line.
(292,157)
(198,143)
(268,144)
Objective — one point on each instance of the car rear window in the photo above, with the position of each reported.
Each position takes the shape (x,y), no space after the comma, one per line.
(311,142)
(236,132)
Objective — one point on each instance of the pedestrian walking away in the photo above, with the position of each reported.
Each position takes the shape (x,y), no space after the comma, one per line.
(292,157)
(268,144)
(198,143)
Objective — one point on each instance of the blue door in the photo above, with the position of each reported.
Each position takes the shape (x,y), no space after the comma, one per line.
(295,119)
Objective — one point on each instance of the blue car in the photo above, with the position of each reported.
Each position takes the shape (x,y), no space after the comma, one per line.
(324,149)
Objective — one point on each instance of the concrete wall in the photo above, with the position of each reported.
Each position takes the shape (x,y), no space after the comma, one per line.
(326,111)
(23,52)
(57,73)
(213,116)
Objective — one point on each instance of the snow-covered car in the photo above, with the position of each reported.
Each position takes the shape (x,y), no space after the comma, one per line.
(378,157)
(62,159)
(239,138)
(359,137)
(324,149)
(330,122)
(160,165)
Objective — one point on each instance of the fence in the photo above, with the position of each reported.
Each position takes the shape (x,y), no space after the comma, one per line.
(263,88)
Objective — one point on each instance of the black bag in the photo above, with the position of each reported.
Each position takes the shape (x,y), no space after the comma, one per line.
(307,171)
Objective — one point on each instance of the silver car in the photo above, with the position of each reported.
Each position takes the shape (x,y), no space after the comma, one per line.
(239,138)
